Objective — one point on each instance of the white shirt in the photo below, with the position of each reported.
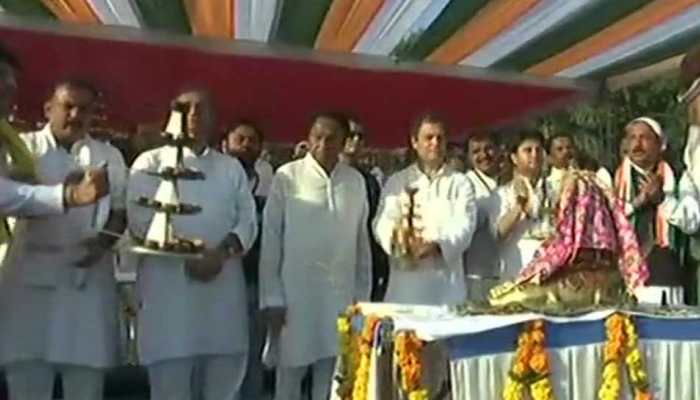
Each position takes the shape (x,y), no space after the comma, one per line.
(378,174)
(19,199)
(447,209)
(60,236)
(49,309)
(480,261)
(180,316)
(315,257)
(518,249)
(265,173)
(683,209)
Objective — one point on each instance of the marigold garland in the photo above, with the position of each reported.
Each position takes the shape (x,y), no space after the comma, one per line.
(347,340)
(623,344)
(364,344)
(407,350)
(530,368)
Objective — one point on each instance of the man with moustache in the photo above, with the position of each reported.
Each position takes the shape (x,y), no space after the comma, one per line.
(647,185)
(244,142)
(563,155)
(481,265)
(58,293)
(19,197)
(315,257)
(193,320)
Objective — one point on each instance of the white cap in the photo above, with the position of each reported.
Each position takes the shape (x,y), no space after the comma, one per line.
(655,127)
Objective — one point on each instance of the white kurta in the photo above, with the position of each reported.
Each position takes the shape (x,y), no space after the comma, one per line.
(265,173)
(447,209)
(682,209)
(180,316)
(315,256)
(482,268)
(19,199)
(516,250)
(49,309)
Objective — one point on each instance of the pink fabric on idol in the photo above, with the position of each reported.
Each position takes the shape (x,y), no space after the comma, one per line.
(589,218)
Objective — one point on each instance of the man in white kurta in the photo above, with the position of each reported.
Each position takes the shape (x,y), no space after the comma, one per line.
(563,154)
(58,295)
(315,257)
(445,205)
(482,270)
(21,199)
(192,317)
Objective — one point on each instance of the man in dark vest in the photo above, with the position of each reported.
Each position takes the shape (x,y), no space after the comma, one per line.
(353,154)
(244,142)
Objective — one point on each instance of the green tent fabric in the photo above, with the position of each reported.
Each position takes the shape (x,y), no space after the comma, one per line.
(164,15)
(450,20)
(27,8)
(411,30)
(584,25)
(300,21)
(652,56)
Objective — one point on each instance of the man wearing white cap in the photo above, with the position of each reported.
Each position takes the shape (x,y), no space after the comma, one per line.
(649,189)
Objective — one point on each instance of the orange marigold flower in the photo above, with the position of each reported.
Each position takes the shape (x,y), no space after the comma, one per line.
(540,362)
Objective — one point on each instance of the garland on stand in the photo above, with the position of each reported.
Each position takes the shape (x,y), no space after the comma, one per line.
(355,355)
(407,351)
(364,344)
(623,343)
(530,369)
(347,340)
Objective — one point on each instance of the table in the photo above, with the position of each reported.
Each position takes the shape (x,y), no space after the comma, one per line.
(469,356)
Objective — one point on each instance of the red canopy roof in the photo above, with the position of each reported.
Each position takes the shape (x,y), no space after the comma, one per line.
(275,87)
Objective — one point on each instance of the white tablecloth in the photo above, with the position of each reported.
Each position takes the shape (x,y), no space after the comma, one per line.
(480,351)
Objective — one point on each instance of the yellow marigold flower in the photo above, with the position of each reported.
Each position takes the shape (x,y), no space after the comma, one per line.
(542,390)
(343,325)
(519,369)
(513,390)
(418,395)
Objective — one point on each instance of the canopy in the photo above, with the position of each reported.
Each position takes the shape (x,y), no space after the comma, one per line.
(568,38)
(301,57)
